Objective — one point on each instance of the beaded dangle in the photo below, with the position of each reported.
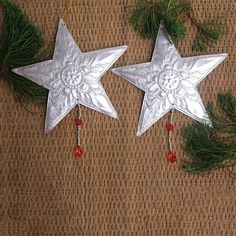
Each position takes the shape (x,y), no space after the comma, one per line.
(78,123)
(171,156)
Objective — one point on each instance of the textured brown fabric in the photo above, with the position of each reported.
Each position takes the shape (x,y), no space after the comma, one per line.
(123,186)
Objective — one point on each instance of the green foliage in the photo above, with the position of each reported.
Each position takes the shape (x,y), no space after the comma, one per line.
(209,32)
(20,43)
(148,14)
(213,147)
(26,90)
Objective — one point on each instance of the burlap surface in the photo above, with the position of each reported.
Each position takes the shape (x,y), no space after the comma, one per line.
(123,186)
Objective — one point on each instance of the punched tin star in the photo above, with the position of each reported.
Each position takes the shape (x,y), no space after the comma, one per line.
(170,82)
(73,77)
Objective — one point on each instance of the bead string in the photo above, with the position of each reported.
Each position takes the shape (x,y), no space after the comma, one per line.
(78,122)
(171,156)
(170,130)
(78,126)
(79,154)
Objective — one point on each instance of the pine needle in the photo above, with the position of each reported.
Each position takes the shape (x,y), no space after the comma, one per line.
(213,147)
(20,43)
(209,33)
(148,14)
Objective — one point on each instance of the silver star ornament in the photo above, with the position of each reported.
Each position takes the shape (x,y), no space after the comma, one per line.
(73,77)
(170,82)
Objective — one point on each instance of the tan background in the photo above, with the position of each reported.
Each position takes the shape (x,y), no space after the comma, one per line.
(123,186)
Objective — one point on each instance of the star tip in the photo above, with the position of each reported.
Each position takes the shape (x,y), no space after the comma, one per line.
(123,48)
(161,24)
(113,70)
(225,55)
(62,22)
(209,122)
(17,71)
(138,133)
(206,121)
(47,130)
(116,116)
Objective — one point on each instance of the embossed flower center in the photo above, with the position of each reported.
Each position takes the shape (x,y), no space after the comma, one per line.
(72,76)
(169,79)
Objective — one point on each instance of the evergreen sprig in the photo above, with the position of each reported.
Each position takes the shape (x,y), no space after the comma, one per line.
(148,14)
(20,43)
(208,33)
(213,147)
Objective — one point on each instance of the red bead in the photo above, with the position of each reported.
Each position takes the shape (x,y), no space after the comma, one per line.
(78,122)
(171,157)
(170,127)
(78,152)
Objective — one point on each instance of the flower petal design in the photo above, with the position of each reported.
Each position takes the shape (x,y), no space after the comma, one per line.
(41,73)
(199,67)
(98,101)
(136,74)
(194,108)
(59,105)
(151,113)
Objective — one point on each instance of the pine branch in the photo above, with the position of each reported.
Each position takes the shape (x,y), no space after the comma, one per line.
(25,88)
(148,15)
(213,147)
(208,33)
(20,43)
(227,104)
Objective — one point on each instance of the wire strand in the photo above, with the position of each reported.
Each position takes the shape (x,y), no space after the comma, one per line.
(170,132)
(79,115)
(68,9)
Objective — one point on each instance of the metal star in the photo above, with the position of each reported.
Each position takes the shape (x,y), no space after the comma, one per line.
(73,77)
(170,82)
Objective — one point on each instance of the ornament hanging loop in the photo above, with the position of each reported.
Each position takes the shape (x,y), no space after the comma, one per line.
(68,9)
